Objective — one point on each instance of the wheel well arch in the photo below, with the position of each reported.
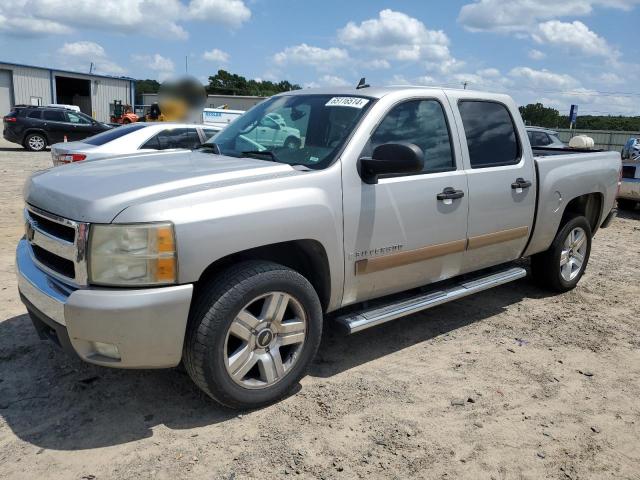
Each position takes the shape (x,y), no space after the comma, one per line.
(35,130)
(307,257)
(588,205)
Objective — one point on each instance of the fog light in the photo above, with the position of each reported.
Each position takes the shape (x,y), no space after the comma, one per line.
(106,350)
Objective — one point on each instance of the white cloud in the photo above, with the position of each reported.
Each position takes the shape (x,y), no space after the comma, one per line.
(333,81)
(489,72)
(151,17)
(610,79)
(155,62)
(320,58)
(80,55)
(377,64)
(508,16)
(536,54)
(396,36)
(230,12)
(216,55)
(574,37)
(543,79)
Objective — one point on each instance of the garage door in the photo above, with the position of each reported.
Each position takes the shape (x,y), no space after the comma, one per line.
(5,92)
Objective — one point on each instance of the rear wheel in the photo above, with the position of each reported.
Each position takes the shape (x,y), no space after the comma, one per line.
(252,333)
(626,204)
(35,142)
(563,264)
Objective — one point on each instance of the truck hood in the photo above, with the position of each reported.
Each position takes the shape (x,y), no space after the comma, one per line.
(98,191)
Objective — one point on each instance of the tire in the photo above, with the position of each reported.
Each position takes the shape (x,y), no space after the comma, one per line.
(626,204)
(233,302)
(35,142)
(292,143)
(546,268)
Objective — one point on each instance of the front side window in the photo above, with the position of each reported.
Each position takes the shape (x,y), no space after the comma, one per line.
(306,130)
(54,116)
(77,119)
(423,123)
(491,134)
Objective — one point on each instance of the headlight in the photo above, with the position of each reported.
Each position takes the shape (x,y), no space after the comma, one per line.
(137,254)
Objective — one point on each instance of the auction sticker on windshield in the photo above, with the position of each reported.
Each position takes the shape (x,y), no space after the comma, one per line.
(354,102)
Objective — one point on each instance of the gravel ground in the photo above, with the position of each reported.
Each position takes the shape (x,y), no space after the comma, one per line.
(510,383)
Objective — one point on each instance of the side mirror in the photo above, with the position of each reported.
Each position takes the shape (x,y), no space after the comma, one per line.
(391,158)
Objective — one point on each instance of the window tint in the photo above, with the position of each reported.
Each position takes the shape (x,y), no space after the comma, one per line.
(54,115)
(174,138)
(423,123)
(35,114)
(75,118)
(491,135)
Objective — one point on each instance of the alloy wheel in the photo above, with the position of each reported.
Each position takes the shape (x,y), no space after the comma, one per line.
(573,254)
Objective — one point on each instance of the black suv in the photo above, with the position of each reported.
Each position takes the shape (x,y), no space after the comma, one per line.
(36,127)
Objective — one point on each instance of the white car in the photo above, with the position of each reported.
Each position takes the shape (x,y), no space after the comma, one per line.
(133,138)
(272,131)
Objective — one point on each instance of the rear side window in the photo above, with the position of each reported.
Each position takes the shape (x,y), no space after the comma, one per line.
(54,116)
(491,134)
(113,134)
(174,138)
(423,123)
(35,114)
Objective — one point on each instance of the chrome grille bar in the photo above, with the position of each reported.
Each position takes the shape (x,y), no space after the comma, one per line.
(74,252)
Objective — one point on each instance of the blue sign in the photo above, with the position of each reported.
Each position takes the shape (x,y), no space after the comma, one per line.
(573,114)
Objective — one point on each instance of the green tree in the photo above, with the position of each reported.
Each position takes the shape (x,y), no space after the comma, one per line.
(539,115)
(146,86)
(226,83)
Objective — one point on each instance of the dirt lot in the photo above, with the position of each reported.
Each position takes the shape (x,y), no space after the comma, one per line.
(511,383)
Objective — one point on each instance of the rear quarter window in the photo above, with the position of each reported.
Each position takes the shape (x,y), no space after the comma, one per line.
(490,132)
(113,134)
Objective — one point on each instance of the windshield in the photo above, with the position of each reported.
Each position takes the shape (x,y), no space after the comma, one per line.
(306,130)
(112,134)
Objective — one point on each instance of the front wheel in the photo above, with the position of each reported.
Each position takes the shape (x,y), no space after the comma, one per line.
(563,264)
(252,333)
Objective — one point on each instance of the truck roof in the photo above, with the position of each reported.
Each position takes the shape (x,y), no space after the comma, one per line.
(379,92)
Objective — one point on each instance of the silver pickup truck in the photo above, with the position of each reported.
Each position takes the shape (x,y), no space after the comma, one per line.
(228,258)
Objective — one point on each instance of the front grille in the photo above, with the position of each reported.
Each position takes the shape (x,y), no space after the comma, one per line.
(629,171)
(58,245)
(54,262)
(53,228)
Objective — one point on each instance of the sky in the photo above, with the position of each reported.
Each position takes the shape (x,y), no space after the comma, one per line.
(556,52)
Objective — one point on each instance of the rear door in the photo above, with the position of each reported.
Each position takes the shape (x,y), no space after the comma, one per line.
(501,178)
(55,125)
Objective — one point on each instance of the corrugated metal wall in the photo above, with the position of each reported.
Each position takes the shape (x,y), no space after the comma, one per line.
(104,91)
(30,82)
(604,139)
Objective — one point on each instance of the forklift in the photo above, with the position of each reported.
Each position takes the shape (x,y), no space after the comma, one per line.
(123,114)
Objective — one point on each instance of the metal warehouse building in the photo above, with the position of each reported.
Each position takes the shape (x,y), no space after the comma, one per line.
(233,102)
(94,94)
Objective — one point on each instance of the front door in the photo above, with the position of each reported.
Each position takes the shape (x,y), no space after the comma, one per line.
(501,179)
(398,233)
(80,126)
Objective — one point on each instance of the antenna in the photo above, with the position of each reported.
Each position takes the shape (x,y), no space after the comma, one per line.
(362,84)
(464,85)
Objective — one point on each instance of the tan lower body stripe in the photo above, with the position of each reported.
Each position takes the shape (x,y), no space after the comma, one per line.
(376,264)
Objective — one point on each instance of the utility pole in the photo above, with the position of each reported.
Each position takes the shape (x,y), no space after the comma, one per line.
(186,64)
(464,85)
(91,68)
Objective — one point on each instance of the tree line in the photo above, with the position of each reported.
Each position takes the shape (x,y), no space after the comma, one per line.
(539,115)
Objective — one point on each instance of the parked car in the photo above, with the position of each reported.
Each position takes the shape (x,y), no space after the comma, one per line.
(273,131)
(629,193)
(543,137)
(132,138)
(631,150)
(227,259)
(36,127)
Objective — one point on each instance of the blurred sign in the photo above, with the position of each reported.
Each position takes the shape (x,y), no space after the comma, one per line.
(573,115)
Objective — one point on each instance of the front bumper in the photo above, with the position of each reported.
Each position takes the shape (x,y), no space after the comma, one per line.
(630,189)
(146,325)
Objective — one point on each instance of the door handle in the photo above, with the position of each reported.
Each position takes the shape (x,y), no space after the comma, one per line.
(450,194)
(520,183)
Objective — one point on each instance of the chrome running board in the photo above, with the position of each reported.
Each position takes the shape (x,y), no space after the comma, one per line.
(357,321)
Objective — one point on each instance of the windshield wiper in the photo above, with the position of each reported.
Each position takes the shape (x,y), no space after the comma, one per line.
(267,153)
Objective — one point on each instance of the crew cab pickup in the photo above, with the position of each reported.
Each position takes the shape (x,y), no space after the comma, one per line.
(227,258)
